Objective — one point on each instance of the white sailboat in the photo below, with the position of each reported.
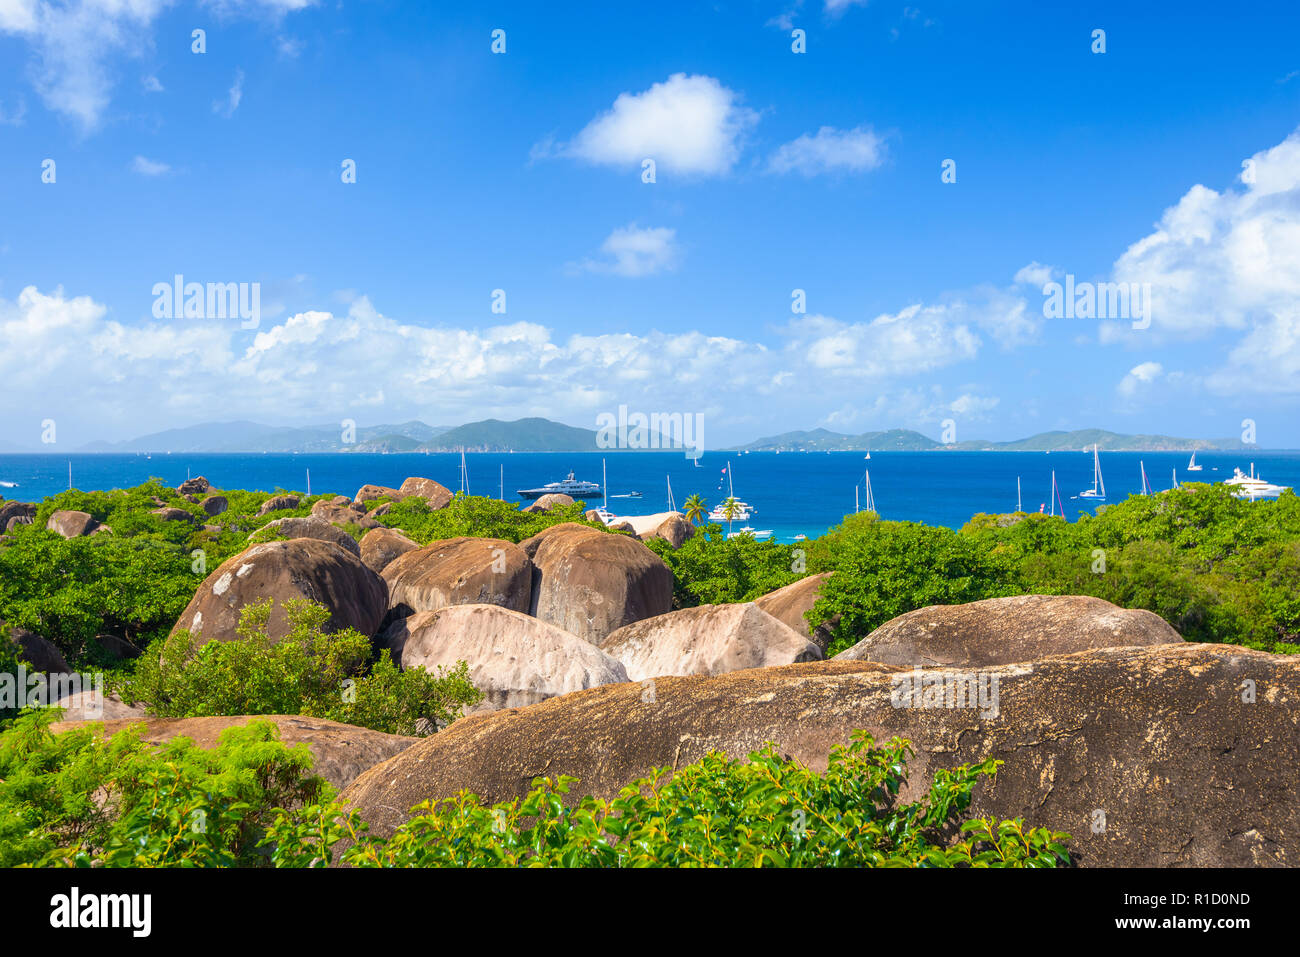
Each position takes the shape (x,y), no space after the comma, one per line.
(1192,466)
(464,474)
(1018,508)
(1146,485)
(1098,490)
(743,510)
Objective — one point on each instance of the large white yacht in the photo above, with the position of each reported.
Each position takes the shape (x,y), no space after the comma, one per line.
(1252,486)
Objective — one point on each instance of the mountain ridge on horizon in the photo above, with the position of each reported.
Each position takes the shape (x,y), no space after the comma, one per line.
(536,434)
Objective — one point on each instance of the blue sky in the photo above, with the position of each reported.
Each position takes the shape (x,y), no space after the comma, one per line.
(775,171)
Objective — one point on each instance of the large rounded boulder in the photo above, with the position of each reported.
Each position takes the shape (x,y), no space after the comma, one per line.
(38,652)
(339,752)
(303,568)
(459,571)
(277,503)
(72,524)
(368,493)
(514,659)
(707,640)
(1003,630)
(437,496)
(308,527)
(591,582)
(547,502)
(1160,756)
(791,603)
(342,511)
(380,546)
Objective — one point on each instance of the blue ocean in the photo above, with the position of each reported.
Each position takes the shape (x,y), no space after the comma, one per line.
(793,493)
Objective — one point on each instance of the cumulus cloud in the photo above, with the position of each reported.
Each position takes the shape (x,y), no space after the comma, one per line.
(1228,261)
(634,252)
(321,364)
(836,8)
(687,124)
(829,151)
(148,167)
(1035,274)
(1140,375)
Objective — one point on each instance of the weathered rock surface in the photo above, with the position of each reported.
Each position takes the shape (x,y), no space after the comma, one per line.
(514,659)
(1158,738)
(792,602)
(459,571)
(340,751)
(707,640)
(1002,630)
(548,501)
(308,527)
(214,505)
(380,546)
(16,513)
(39,652)
(170,514)
(82,706)
(72,524)
(438,496)
(195,486)
(278,503)
(368,493)
(590,582)
(341,511)
(301,568)
(672,527)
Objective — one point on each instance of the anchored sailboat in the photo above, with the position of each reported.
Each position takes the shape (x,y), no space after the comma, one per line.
(1098,490)
(1192,466)
(1146,485)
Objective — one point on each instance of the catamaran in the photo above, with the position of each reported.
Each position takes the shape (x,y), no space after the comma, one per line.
(1253,487)
(1098,490)
(1192,466)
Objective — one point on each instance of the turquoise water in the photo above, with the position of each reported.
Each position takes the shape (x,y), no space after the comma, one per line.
(793,492)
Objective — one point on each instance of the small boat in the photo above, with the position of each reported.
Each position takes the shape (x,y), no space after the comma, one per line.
(626,495)
(605,515)
(801,537)
(1098,490)
(1192,466)
(756,534)
(569,486)
(1253,487)
(8,484)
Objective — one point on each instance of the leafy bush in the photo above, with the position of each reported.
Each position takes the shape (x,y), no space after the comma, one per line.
(77,799)
(477,517)
(764,812)
(309,672)
(710,569)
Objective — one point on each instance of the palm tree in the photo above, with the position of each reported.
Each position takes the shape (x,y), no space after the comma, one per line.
(695,508)
(730,509)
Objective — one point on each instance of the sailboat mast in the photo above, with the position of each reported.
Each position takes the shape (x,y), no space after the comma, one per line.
(604,483)
(309,483)
(1053,495)
(1018,508)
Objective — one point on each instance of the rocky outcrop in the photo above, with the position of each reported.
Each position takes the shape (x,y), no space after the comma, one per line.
(380,546)
(437,496)
(707,640)
(1167,755)
(277,503)
(214,505)
(94,706)
(309,527)
(672,527)
(195,486)
(342,511)
(792,602)
(548,501)
(72,524)
(340,752)
(368,493)
(1002,630)
(305,568)
(515,660)
(38,652)
(16,513)
(459,571)
(590,582)
(170,514)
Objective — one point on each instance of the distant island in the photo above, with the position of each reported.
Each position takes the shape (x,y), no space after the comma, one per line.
(545,435)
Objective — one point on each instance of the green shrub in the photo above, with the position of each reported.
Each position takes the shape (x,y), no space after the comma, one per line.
(710,569)
(309,672)
(763,812)
(77,799)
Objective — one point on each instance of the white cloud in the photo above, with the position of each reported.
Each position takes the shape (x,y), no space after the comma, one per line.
(148,167)
(1228,261)
(634,252)
(973,406)
(321,365)
(836,8)
(829,151)
(687,124)
(231,103)
(151,84)
(1142,374)
(1035,274)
